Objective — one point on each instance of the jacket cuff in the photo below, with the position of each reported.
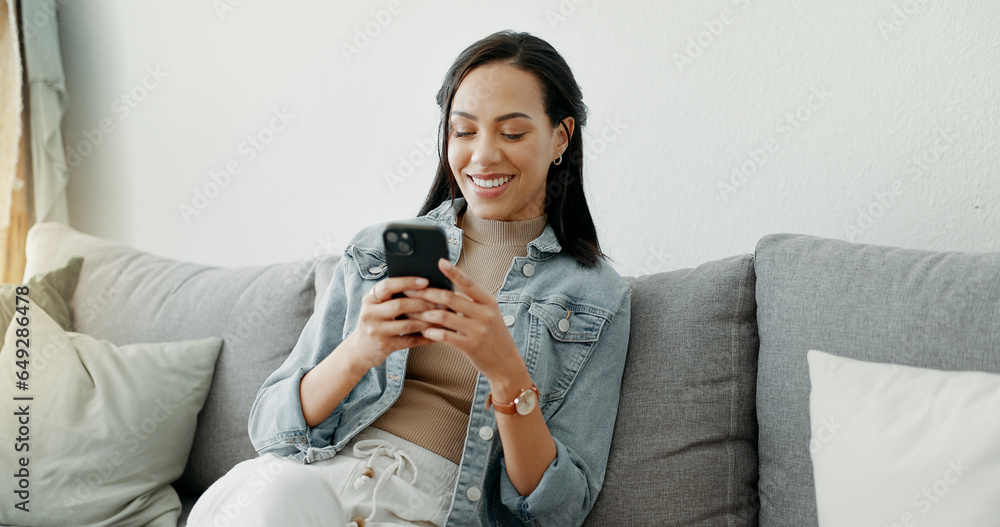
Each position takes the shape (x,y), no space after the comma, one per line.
(294,437)
(559,498)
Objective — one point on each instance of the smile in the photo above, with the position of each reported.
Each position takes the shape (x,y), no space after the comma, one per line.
(491,183)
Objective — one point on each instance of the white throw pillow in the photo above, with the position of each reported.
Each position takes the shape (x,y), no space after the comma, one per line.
(898,446)
(97,432)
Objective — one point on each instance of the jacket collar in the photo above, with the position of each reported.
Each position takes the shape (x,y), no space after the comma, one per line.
(544,246)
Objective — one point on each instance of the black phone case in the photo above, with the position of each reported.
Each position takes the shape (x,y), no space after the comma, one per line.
(429,244)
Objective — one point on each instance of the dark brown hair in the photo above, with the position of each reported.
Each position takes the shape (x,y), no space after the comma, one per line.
(565,203)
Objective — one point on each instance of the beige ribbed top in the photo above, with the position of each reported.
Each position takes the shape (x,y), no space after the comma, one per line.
(433,408)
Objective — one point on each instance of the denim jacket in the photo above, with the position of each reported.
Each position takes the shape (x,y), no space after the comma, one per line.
(577,368)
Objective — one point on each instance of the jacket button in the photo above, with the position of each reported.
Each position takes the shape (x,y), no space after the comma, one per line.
(528,269)
(485,433)
(563,325)
(374,270)
(473,494)
(508,320)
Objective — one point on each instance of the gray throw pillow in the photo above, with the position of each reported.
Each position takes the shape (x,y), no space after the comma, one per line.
(927,309)
(684,449)
(127,296)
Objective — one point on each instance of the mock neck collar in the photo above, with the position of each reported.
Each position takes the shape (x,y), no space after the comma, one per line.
(497,233)
(449,210)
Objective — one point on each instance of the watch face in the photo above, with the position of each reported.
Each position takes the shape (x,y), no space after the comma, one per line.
(526,402)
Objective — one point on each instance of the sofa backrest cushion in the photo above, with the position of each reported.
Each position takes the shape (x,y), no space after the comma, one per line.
(684,449)
(127,296)
(927,309)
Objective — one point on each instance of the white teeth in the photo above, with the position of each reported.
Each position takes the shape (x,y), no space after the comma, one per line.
(490,183)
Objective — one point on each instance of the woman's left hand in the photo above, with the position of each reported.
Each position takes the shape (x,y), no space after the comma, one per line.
(474,325)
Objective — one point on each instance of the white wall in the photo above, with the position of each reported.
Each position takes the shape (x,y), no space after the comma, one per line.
(875,121)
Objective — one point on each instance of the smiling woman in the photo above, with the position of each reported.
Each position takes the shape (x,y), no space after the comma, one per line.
(532,116)
(501,160)
(493,404)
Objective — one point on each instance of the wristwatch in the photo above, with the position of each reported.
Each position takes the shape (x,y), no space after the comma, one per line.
(523,404)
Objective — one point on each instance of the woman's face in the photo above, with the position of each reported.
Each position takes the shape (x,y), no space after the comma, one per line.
(502,143)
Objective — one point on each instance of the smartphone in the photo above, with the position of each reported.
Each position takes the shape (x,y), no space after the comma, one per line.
(414,250)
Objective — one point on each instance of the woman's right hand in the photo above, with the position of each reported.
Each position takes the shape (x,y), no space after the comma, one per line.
(378,332)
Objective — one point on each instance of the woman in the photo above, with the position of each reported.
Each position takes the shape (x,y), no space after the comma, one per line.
(491,405)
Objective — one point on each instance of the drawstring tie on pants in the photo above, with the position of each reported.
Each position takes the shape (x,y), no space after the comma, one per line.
(374,448)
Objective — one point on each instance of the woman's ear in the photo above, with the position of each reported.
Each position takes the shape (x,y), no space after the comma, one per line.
(567,125)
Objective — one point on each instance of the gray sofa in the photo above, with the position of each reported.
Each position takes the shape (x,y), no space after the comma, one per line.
(713,426)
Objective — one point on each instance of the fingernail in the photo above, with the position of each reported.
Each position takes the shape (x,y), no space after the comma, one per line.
(422,282)
(445,263)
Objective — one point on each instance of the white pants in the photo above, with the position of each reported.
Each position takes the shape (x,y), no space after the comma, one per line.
(409,485)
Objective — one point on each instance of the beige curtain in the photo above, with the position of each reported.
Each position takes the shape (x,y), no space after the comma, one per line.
(15,191)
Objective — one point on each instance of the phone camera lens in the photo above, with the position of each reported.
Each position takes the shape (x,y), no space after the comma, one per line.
(391,237)
(404,247)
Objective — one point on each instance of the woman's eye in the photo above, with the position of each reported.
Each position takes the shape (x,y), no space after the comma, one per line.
(513,137)
(463,134)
